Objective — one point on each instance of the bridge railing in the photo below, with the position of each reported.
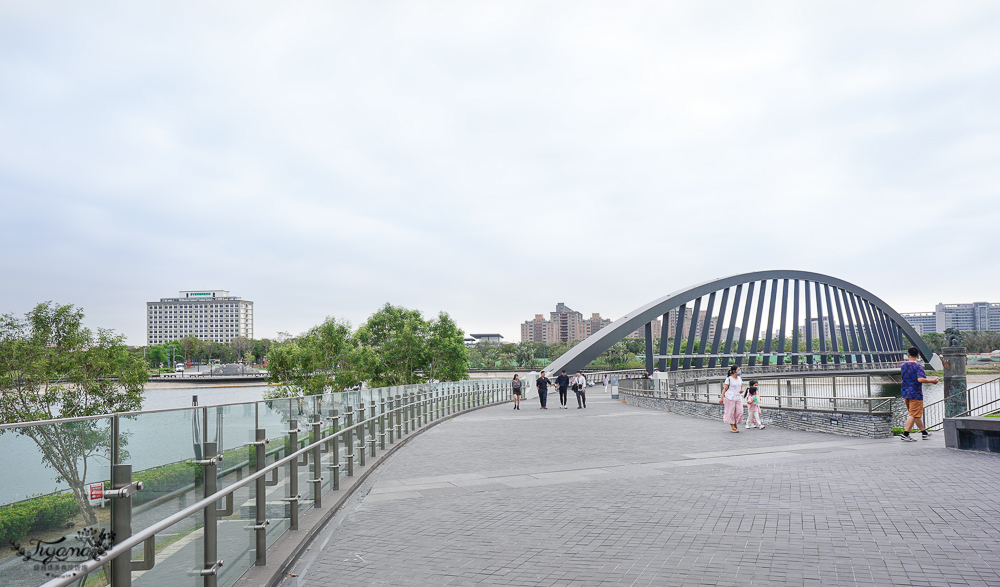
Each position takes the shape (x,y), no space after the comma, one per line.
(277,459)
(756,371)
(840,393)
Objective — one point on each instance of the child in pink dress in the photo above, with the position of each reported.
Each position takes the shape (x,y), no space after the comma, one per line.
(753,406)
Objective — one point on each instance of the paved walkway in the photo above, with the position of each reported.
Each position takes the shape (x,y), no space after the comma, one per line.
(618,495)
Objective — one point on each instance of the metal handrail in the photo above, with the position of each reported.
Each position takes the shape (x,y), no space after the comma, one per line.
(159,410)
(125,547)
(809,403)
(937,424)
(967,412)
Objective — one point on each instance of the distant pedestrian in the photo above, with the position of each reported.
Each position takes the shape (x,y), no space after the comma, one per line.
(607,382)
(913,376)
(580,387)
(732,398)
(562,382)
(516,385)
(753,406)
(542,384)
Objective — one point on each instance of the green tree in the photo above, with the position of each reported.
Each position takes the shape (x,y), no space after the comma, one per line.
(524,356)
(397,338)
(618,355)
(320,360)
(157,356)
(507,353)
(52,367)
(447,357)
(241,345)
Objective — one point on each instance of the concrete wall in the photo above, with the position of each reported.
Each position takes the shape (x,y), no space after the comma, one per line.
(847,423)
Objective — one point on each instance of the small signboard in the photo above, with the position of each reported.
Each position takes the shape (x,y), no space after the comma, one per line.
(96,493)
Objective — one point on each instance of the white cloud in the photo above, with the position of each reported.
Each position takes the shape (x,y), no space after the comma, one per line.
(491,160)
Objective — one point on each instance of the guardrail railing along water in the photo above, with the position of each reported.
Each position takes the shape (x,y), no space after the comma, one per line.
(197,494)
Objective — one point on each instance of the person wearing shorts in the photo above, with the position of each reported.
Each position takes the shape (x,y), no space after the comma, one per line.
(913,376)
(516,387)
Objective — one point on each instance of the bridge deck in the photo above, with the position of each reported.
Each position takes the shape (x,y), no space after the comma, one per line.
(617,495)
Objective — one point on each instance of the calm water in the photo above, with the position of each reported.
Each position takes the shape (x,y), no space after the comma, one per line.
(153,439)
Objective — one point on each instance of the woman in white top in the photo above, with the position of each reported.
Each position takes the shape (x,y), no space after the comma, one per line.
(732,398)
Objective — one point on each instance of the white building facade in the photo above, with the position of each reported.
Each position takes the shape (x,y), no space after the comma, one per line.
(975,316)
(205,314)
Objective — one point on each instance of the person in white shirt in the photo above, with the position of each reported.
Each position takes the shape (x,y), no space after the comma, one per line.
(607,383)
(732,399)
(580,387)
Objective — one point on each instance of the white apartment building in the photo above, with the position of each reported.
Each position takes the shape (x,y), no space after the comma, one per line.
(975,316)
(206,314)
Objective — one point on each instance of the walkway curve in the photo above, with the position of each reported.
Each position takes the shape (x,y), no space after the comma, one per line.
(618,495)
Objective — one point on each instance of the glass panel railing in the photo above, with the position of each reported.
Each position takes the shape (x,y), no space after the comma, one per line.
(44,491)
(162,448)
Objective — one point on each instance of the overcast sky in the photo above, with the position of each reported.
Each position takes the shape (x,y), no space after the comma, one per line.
(492,159)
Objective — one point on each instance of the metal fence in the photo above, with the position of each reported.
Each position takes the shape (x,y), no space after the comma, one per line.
(848,393)
(310,444)
(983,399)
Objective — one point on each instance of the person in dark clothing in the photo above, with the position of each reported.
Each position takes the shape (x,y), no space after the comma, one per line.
(542,384)
(580,387)
(562,382)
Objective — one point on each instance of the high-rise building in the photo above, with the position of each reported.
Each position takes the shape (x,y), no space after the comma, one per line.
(672,326)
(563,325)
(206,314)
(975,316)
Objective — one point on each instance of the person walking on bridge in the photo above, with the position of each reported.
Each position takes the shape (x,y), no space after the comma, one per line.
(542,384)
(562,382)
(732,399)
(580,387)
(913,376)
(516,386)
(607,382)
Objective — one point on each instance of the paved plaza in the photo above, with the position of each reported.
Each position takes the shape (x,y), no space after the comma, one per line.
(619,495)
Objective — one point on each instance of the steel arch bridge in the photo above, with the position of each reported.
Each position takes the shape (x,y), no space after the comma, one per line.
(852,325)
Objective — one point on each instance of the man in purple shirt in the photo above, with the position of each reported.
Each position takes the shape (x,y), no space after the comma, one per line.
(913,377)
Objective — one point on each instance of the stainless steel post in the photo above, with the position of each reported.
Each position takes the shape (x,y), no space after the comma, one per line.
(381,425)
(317,469)
(361,433)
(348,437)
(293,476)
(390,423)
(121,524)
(405,412)
(398,416)
(260,499)
(335,466)
(210,540)
(371,431)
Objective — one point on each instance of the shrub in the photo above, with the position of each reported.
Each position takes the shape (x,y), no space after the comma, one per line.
(38,513)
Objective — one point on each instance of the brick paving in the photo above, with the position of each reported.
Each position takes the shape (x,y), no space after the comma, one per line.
(621,495)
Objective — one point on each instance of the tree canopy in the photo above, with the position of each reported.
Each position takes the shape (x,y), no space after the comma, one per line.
(395,346)
(52,367)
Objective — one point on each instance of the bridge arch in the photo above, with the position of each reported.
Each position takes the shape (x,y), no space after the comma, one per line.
(852,324)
